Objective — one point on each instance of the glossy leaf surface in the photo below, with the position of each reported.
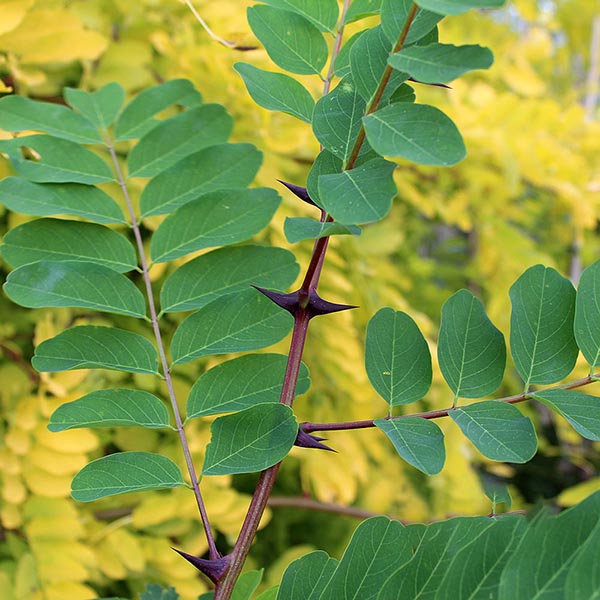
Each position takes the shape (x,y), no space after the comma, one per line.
(100,107)
(92,347)
(301,228)
(587,314)
(216,219)
(542,342)
(498,430)
(471,351)
(240,383)
(251,440)
(234,323)
(125,472)
(397,358)
(111,408)
(58,240)
(418,441)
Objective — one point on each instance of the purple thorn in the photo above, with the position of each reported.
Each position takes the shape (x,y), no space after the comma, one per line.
(245,48)
(318,306)
(214,569)
(289,302)
(442,85)
(298,191)
(305,440)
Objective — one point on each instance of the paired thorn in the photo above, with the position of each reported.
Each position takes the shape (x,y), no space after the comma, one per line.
(214,569)
(442,85)
(305,440)
(299,191)
(294,302)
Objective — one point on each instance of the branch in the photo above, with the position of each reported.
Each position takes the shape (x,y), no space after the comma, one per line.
(328,507)
(214,553)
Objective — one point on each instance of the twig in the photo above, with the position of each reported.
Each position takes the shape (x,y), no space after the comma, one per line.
(206,28)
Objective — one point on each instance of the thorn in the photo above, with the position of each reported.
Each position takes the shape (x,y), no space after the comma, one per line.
(305,440)
(214,569)
(299,191)
(442,85)
(289,302)
(318,306)
(245,48)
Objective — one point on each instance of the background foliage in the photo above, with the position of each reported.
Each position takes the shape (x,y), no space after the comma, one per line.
(528,192)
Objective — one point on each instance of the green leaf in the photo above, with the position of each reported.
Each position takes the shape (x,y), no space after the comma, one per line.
(74,284)
(393,18)
(270,594)
(234,323)
(100,107)
(154,591)
(360,9)
(379,545)
(456,7)
(251,440)
(420,133)
(306,577)
(397,358)
(471,351)
(215,219)
(337,118)
(125,472)
(342,60)
(246,585)
(541,326)
(18,113)
(418,441)
(440,63)
(59,240)
(300,228)
(321,13)
(20,195)
(292,42)
(92,347)
(178,137)
(226,271)
(498,430)
(276,91)
(60,161)
(405,93)
(583,578)
(362,195)
(496,491)
(218,167)
(137,118)
(241,383)
(368,60)
(111,408)
(582,411)
(325,164)
(587,314)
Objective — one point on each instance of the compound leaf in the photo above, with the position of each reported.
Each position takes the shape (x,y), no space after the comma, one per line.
(100,107)
(111,408)
(498,430)
(251,440)
(93,347)
(125,472)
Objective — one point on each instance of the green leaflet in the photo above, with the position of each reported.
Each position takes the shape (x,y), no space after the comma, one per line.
(176,138)
(456,7)
(498,430)
(321,13)
(47,199)
(418,441)
(251,440)
(61,161)
(306,577)
(219,167)
(234,323)
(440,63)
(137,118)
(359,9)
(325,164)
(226,271)
(583,579)
(582,411)
(342,60)
(291,41)
(393,18)
(74,284)
(362,195)
(22,114)
(241,383)
(154,591)
(417,132)
(111,408)
(92,347)
(541,326)
(215,219)
(125,472)
(587,314)
(100,107)
(246,585)
(300,228)
(276,91)
(397,358)
(471,351)
(59,240)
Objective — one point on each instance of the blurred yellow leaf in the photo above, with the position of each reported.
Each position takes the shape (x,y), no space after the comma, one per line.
(13,12)
(43,483)
(579,492)
(13,489)
(74,441)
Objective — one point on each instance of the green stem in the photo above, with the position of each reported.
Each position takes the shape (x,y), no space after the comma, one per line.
(214,553)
